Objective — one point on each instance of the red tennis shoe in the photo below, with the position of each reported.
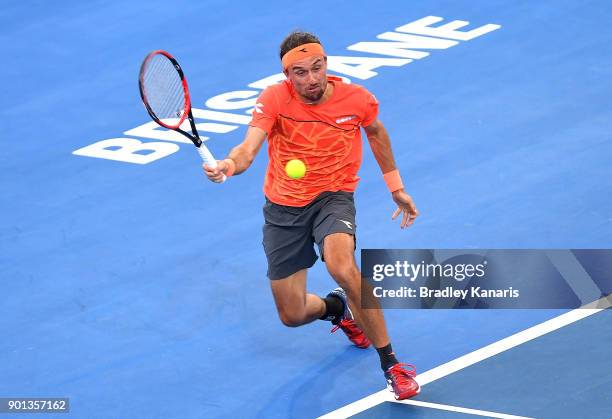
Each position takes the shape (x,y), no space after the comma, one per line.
(347,324)
(400,380)
(353,332)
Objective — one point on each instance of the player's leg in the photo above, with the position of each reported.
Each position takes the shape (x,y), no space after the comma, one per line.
(294,305)
(334,232)
(340,262)
(289,248)
(335,213)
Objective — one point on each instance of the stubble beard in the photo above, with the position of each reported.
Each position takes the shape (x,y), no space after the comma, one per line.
(314,96)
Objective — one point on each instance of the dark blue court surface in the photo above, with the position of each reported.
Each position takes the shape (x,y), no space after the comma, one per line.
(562,374)
(139,290)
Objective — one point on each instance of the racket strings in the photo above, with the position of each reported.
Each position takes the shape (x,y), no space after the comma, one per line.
(166,87)
(163,89)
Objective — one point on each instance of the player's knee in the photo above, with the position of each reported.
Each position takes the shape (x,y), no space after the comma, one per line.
(291,318)
(346,275)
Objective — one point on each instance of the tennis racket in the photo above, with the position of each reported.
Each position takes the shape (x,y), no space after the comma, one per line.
(164,92)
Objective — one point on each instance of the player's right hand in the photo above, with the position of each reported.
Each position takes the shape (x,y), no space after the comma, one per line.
(216,174)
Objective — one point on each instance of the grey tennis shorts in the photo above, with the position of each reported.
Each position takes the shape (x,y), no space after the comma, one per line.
(289,233)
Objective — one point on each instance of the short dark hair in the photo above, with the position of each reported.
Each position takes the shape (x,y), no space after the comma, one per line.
(295,39)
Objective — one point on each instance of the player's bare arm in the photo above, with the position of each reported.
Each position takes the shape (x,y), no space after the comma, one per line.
(240,158)
(380,144)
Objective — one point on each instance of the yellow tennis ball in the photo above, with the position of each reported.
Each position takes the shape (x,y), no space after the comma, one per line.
(295,169)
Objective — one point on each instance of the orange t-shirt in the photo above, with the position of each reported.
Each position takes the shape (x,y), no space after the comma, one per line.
(326,137)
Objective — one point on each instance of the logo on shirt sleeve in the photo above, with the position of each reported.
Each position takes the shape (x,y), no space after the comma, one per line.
(258,107)
(345,119)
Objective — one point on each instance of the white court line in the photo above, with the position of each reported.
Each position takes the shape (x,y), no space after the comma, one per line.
(460,409)
(477,356)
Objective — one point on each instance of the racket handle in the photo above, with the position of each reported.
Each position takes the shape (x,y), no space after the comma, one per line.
(208,158)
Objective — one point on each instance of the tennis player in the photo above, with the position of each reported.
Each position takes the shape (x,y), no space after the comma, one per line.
(317,118)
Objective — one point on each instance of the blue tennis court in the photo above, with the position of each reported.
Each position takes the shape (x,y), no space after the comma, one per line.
(136,288)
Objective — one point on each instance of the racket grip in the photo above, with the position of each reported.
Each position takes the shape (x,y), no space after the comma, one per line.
(208,158)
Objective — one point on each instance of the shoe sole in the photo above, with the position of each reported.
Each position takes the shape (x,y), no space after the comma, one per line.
(402,396)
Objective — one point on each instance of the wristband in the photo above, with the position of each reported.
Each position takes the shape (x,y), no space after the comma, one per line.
(393,180)
(232,167)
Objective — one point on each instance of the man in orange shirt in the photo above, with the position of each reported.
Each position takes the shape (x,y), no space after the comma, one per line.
(318,119)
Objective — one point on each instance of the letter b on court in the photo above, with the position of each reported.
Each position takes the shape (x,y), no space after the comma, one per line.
(128,150)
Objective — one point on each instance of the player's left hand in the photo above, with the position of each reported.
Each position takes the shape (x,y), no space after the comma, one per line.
(406,207)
